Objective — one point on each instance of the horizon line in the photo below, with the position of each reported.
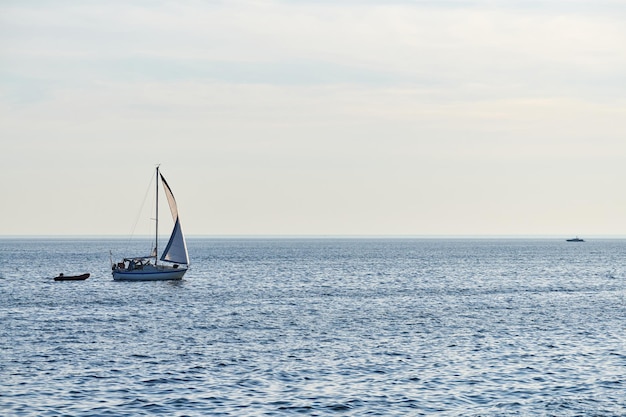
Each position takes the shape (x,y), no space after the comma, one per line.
(322,236)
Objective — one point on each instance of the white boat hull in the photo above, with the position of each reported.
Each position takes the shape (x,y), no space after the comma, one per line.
(159,273)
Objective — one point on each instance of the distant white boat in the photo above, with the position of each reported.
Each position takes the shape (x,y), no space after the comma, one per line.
(148,268)
(575,239)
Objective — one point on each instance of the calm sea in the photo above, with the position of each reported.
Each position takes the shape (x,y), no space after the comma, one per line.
(346,327)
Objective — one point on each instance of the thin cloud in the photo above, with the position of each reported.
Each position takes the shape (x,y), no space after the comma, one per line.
(354,117)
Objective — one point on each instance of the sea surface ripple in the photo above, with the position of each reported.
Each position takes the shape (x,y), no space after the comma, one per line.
(348,327)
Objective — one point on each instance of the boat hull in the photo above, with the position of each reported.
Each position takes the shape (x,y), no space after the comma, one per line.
(151,274)
(72,277)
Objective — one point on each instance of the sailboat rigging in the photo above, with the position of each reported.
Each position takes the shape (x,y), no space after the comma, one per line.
(175,254)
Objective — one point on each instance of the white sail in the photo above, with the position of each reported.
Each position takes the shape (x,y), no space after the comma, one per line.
(176,249)
(170,198)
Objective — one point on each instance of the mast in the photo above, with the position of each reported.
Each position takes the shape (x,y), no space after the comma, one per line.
(156,237)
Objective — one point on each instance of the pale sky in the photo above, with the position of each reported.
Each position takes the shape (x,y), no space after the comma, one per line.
(359,117)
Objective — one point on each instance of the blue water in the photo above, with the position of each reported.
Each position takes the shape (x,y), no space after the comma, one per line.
(317,327)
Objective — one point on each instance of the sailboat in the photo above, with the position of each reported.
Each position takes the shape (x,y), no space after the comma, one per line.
(175,257)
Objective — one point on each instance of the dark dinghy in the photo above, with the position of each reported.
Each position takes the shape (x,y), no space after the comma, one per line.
(62,277)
